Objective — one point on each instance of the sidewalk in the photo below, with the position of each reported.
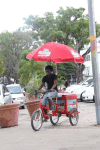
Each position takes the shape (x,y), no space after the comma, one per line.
(63,136)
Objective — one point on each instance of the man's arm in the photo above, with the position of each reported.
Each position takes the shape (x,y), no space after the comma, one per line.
(54,85)
(42,84)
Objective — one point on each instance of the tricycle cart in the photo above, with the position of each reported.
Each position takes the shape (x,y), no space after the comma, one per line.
(65,103)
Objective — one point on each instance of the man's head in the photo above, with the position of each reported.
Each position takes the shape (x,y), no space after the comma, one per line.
(48,69)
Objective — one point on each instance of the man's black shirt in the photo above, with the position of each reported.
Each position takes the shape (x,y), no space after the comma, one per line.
(49,79)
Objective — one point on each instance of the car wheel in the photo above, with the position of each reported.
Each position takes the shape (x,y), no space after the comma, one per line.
(93,98)
(23,107)
(81,98)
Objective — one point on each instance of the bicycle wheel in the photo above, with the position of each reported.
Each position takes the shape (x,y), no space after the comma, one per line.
(36,120)
(54,119)
(73,118)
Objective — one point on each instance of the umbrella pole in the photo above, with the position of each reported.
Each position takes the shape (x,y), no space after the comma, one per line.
(56,74)
(56,68)
(51,62)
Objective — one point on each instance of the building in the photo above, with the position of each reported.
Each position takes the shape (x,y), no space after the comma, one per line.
(88,62)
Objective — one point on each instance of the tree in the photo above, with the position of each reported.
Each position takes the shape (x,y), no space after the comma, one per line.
(11,47)
(9,56)
(69,27)
(63,72)
(30,70)
(1,68)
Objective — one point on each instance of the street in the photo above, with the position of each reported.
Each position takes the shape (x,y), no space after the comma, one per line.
(63,136)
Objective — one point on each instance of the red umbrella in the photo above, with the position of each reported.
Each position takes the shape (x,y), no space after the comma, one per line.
(55,52)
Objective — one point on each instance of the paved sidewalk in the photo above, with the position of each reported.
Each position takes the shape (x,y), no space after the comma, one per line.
(63,136)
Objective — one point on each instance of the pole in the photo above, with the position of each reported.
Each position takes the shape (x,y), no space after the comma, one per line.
(56,69)
(51,63)
(95,66)
(56,74)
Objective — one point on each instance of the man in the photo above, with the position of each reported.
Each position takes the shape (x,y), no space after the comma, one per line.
(52,91)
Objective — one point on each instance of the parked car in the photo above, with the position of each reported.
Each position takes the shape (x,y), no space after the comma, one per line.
(5,96)
(81,90)
(88,94)
(17,94)
(85,83)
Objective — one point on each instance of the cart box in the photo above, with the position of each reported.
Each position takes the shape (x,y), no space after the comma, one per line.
(66,101)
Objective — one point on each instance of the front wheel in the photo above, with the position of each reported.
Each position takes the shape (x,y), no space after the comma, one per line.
(73,118)
(54,119)
(36,120)
(81,98)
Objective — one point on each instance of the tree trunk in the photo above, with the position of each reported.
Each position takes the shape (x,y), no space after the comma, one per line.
(8,78)
(79,72)
(77,45)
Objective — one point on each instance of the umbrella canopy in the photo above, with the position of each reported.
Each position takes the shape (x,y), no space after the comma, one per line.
(55,52)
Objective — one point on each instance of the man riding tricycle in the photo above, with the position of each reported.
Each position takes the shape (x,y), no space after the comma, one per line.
(58,104)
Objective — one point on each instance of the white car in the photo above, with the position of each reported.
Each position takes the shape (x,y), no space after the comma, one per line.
(16,93)
(88,94)
(85,83)
(81,90)
(5,96)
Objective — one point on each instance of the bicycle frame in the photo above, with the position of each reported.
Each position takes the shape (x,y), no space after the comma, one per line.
(57,110)
(47,115)
(66,104)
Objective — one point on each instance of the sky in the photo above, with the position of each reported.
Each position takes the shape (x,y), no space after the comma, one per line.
(12,12)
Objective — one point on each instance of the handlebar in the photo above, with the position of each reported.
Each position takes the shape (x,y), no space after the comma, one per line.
(37,95)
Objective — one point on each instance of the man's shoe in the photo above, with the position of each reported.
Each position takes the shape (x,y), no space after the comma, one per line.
(50,112)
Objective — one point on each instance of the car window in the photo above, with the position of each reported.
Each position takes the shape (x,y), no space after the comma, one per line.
(89,81)
(14,89)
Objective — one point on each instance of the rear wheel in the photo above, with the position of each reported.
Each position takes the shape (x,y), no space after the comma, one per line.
(93,98)
(36,120)
(54,119)
(73,118)
(23,107)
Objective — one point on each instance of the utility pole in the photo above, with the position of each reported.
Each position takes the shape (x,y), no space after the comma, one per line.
(95,66)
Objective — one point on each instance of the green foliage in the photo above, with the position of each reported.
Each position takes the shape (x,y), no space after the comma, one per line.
(31,90)
(30,70)
(60,81)
(62,71)
(70,27)
(1,68)
(11,47)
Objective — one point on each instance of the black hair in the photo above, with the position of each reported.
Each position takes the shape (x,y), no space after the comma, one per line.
(49,67)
